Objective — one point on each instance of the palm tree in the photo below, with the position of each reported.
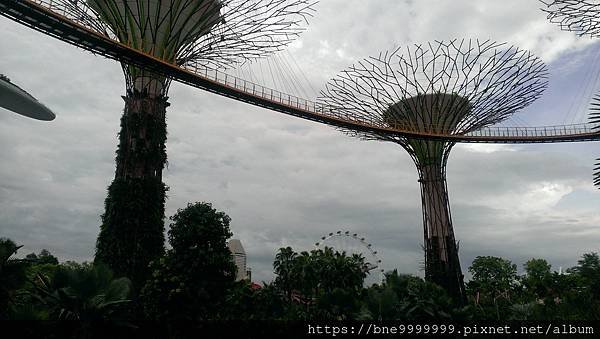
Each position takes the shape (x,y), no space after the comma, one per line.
(284,269)
(12,274)
(307,273)
(87,293)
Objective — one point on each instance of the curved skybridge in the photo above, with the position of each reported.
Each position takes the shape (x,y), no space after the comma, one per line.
(74,23)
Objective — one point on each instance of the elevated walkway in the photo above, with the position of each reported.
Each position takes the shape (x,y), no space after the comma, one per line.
(65,20)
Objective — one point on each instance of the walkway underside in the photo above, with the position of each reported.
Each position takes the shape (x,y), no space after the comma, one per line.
(59,18)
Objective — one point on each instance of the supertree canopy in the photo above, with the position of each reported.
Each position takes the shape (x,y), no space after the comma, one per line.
(218,33)
(439,88)
(597,173)
(583,18)
(579,16)
(212,33)
(595,119)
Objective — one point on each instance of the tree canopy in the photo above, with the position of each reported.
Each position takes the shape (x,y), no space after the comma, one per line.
(190,281)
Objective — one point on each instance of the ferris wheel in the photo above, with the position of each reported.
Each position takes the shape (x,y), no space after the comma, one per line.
(353,243)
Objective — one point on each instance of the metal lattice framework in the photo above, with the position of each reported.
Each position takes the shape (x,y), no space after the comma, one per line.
(484,82)
(583,18)
(182,33)
(579,16)
(64,23)
(207,32)
(595,120)
(453,87)
(597,173)
(461,83)
(179,32)
(217,33)
(192,33)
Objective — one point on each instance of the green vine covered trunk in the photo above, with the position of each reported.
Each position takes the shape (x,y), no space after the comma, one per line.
(132,230)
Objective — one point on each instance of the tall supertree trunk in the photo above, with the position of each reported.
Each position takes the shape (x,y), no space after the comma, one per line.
(196,33)
(442,264)
(438,90)
(132,230)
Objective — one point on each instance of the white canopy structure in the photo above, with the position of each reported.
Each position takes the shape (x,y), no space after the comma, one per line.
(15,99)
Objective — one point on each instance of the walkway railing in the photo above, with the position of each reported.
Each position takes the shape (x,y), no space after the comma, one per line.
(316,108)
(543,131)
(81,15)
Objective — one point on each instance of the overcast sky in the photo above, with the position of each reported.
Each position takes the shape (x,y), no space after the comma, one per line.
(287,182)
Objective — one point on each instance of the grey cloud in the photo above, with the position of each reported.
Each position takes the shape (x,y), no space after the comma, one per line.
(284,181)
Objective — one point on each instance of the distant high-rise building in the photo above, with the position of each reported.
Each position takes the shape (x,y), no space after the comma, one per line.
(239,258)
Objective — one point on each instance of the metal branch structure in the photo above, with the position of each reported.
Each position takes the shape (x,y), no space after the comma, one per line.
(595,120)
(476,71)
(452,87)
(185,33)
(65,24)
(218,33)
(597,173)
(583,18)
(208,32)
(579,16)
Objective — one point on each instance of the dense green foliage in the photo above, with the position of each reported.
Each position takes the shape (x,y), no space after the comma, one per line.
(191,281)
(498,293)
(409,298)
(588,269)
(44,257)
(493,277)
(87,295)
(194,281)
(126,243)
(85,292)
(12,275)
(131,234)
(324,284)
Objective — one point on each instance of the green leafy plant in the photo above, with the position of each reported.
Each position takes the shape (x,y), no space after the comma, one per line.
(12,275)
(191,281)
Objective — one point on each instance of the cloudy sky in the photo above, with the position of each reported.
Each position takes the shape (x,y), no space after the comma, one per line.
(287,182)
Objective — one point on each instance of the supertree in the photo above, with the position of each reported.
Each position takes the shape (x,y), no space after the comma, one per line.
(579,16)
(595,119)
(597,173)
(583,18)
(439,88)
(212,33)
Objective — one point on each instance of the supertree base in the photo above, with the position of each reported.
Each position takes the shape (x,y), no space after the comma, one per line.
(442,264)
(446,274)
